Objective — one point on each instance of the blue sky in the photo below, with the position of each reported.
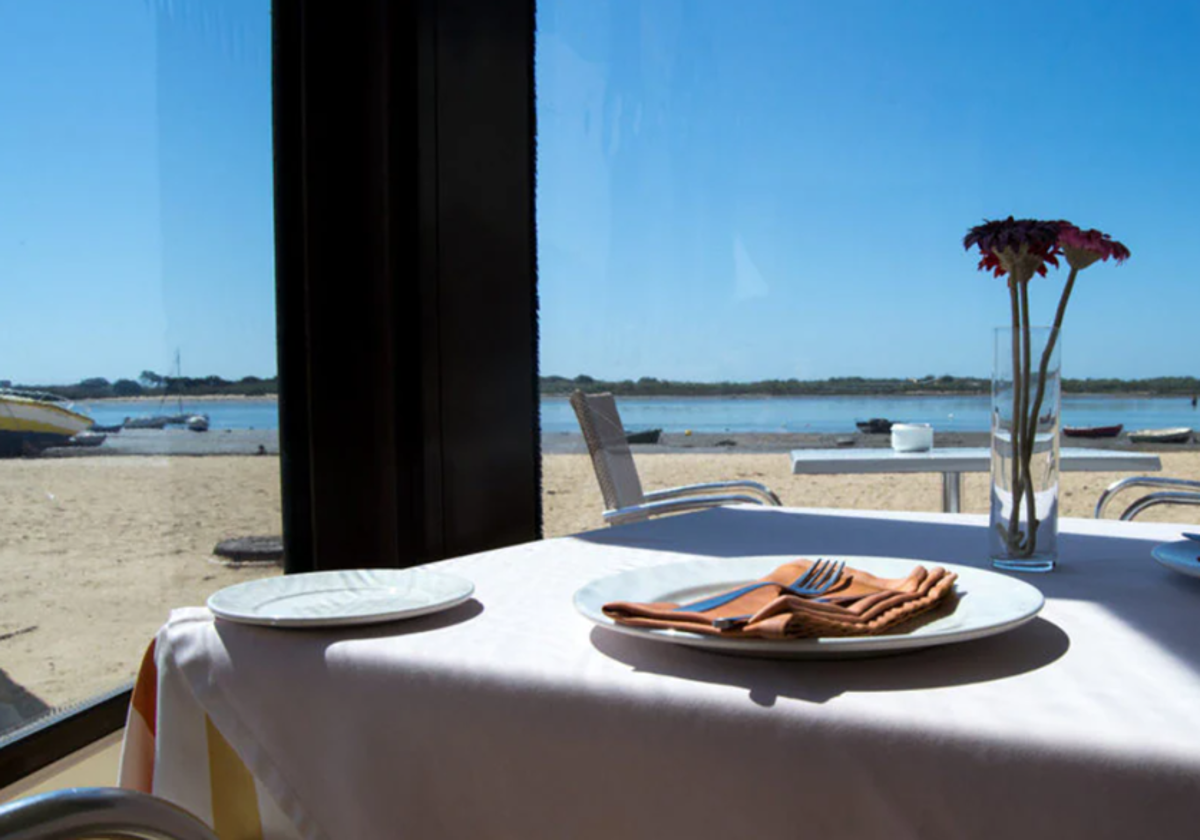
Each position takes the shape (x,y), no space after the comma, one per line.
(135,189)
(727,190)
(779,188)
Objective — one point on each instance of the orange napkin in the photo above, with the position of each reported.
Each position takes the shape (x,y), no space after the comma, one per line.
(861,604)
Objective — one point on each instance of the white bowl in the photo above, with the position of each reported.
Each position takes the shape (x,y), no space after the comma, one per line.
(912,437)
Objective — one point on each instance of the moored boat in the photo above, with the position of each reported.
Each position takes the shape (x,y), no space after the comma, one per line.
(198,423)
(874,426)
(88,438)
(30,423)
(157,421)
(1093,431)
(1181,434)
(647,436)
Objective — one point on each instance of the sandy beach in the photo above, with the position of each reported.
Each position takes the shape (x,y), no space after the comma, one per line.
(572,499)
(95,550)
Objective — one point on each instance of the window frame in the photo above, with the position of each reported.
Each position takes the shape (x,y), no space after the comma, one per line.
(379,310)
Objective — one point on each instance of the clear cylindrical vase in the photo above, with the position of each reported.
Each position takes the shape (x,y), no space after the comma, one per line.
(1026,402)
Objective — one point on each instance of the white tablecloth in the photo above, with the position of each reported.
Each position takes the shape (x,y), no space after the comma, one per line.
(513,717)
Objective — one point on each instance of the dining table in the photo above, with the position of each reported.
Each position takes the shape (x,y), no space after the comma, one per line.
(952,462)
(512,715)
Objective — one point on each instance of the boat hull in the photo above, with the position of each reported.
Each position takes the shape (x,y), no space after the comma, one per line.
(145,422)
(1092,431)
(31,425)
(874,426)
(1180,435)
(647,436)
(29,443)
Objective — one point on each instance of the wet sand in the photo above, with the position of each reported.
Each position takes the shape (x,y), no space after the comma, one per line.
(562,443)
(176,441)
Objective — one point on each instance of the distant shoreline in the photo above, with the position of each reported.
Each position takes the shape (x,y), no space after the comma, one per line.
(176,398)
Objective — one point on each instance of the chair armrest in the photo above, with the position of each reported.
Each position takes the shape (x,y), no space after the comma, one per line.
(636,513)
(761,490)
(1143,481)
(1165,498)
(98,812)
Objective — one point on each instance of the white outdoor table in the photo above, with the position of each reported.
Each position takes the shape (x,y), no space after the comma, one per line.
(513,717)
(953,462)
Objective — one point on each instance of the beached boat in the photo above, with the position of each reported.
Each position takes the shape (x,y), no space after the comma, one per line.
(30,423)
(1181,434)
(1093,431)
(198,423)
(874,426)
(647,436)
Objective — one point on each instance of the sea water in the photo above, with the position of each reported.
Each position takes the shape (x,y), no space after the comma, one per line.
(838,414)
(823,414)
(222,414)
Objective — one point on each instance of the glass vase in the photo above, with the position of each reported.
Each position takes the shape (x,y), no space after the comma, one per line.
(1026,401)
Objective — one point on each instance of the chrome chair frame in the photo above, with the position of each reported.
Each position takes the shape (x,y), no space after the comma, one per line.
(77,813)
(693,497)
(624,499)
(1177,491)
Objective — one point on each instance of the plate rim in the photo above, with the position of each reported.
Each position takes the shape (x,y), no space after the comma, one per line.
(466,590)
(823,647)
(1175,565)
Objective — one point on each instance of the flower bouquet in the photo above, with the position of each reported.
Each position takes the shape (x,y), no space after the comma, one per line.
(1024,510)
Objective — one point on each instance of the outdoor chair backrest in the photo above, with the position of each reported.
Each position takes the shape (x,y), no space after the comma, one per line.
(605,438)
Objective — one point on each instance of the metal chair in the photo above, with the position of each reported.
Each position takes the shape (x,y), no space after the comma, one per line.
(77,813)
(624,499)
(1178,491)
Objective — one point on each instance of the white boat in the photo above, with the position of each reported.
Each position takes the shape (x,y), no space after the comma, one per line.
(31,422)
(198,422)
(89,439)
(1181,434)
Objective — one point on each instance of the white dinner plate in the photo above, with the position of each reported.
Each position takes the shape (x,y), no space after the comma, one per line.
(1182,556)
(327,599)
(988,603)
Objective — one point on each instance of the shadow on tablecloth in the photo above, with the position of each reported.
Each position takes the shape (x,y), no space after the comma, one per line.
(1019,651)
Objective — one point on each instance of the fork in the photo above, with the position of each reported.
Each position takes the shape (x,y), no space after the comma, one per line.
(818,579)
(831,580)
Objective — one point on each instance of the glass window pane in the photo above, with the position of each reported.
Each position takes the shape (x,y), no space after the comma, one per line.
(750,221)
(136,249)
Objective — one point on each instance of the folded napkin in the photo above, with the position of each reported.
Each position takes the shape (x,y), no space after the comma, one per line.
(861,604)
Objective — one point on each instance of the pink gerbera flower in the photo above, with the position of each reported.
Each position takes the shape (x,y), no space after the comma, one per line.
(1084,247)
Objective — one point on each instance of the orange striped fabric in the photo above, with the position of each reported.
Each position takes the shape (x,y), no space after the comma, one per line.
(141,728)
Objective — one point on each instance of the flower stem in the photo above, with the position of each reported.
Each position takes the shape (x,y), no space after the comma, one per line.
(1029,430)
(1043,368)
(1053,339)
(1012,538)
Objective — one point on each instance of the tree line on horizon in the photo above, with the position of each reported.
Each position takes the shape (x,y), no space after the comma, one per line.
(648,386)
(151,384)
